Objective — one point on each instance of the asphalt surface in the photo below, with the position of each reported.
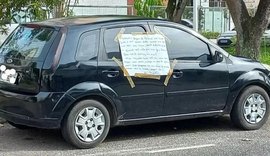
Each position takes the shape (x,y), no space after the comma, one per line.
(206,136)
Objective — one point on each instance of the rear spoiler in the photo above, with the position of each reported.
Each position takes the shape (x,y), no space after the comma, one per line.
(33,25)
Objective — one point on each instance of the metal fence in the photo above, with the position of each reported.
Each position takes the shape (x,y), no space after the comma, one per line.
(102,10)
(215,19)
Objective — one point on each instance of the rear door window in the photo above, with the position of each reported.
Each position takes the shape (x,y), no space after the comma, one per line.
(27,43)
(112,47)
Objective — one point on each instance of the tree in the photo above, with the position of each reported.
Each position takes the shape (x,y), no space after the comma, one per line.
(175,9)
(12,10)
(143,7)
(32,9)
(62,9)
(249,27)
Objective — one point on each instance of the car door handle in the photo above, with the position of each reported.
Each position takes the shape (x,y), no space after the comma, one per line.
(111,73)
(177,74)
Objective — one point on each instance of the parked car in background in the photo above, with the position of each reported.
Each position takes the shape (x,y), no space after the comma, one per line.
(227,38)
(60,74)
(187,22)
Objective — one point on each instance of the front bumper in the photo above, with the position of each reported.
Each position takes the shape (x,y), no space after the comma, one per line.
(44,110)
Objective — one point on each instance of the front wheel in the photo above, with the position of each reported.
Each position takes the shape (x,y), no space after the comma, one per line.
(87,124)
(251,109)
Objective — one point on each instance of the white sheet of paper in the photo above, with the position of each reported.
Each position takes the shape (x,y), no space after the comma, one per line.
(144,53)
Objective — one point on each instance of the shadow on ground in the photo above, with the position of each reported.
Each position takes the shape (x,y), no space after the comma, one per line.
(52,139)
(170,128)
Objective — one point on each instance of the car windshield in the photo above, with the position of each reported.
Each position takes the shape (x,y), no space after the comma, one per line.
(26,42)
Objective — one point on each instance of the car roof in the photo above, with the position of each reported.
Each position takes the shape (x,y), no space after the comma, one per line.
(83,20)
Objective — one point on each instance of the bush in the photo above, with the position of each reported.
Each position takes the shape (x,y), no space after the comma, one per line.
(265,58)
(210,35)
(264,53)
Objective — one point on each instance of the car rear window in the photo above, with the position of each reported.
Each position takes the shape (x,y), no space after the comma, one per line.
(27,43)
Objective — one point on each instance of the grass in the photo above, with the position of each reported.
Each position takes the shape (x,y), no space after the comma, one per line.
(264,56)
(265,46)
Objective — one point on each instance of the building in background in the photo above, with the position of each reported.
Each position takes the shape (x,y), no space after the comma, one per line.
(213,14)
(130,10)
(216,16)
(101,7)
(222,3)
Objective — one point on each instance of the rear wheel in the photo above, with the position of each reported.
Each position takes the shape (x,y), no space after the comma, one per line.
(87,124)
(251,109)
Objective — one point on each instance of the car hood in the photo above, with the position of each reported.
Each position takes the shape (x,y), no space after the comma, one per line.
(247,63)
(242,59)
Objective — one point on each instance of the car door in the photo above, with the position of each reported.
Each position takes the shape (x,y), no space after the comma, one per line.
(146,99)
(197,84)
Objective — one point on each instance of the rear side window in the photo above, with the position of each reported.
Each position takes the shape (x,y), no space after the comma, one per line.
(27,43)
(88,46)
(112,47)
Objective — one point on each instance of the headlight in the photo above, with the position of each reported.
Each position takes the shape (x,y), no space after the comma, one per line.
(266,66)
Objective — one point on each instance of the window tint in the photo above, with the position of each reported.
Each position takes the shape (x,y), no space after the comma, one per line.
(112,47)
(183,45)
(26,43)
(88,46)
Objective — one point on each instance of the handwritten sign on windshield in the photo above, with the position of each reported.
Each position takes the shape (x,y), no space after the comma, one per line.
(145,54)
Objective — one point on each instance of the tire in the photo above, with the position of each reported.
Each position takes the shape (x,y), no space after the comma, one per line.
(251,110)
(22,127)
(86,125)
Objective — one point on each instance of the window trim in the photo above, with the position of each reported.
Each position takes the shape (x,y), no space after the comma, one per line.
(79,41)
(47,46)
(104,55)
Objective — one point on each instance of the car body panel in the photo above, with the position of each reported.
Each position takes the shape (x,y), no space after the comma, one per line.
(200,81)
(146,98)
(211,86)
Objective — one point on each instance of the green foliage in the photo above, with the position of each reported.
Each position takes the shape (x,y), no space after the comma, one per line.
(210,35)
(265,58)
(144,8)
(264,53)
(233,39)
(188,13)
(231,50)
(32,9)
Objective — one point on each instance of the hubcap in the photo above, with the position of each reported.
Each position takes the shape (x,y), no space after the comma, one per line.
(89,124)
(254,108)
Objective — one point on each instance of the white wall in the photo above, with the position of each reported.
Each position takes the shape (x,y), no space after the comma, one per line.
(98,9)
(204,3)
(102,2)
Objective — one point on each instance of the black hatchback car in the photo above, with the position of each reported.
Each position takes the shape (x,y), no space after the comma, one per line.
(59,74)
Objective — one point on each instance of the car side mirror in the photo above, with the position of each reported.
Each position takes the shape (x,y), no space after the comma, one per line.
(218,57)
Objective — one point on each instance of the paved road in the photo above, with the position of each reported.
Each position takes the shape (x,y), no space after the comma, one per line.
(207,136)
